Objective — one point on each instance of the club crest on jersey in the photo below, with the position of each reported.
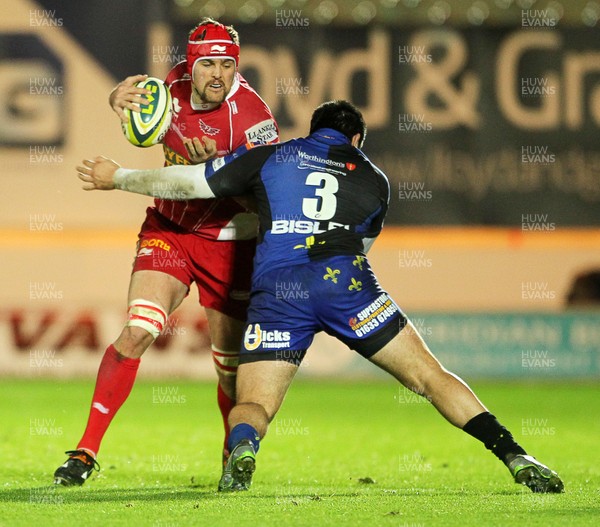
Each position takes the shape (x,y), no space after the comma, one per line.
(272,339)
(350,166)
(208,130)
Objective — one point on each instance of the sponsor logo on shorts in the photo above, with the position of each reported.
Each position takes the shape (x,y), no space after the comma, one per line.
(155,242)
(145,252)
(271,339)
(373,316)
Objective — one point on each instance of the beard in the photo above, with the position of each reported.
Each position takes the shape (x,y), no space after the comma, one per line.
(208,95)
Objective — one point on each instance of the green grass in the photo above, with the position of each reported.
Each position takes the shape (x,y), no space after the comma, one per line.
(160,458)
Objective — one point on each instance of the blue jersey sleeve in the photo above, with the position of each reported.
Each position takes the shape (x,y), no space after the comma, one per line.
(237,173)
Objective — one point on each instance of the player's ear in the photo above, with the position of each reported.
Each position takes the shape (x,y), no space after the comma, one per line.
(355,141)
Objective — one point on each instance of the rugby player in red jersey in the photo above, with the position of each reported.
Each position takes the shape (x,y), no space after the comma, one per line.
(209,242)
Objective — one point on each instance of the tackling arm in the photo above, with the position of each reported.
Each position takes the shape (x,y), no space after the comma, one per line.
(177,182)
(232,175)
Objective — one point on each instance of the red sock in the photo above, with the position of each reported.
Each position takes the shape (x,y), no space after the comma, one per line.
(116,376)
(226,403)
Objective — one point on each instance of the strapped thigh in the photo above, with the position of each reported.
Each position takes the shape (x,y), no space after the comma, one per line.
(226,362)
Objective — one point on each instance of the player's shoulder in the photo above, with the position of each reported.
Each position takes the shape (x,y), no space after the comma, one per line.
(178,76)
(232,165)
(253,116)
(247,95)
(244,88)
(372,166)
(255,156)
(258,151)
(358,163)
(382,180)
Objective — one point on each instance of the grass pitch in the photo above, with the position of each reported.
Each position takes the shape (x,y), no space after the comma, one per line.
(337,454)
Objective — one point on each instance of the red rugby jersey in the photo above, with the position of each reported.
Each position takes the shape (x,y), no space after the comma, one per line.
(242,118)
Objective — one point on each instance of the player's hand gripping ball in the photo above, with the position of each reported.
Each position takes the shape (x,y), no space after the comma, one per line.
(149,126)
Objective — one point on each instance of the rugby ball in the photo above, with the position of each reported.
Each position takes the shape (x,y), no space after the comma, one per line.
(148,127)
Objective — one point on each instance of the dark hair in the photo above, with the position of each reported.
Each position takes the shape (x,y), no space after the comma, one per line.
(207,20)
(585,289)
(342,116)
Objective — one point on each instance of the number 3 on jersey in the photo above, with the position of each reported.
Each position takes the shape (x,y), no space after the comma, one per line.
(323,207)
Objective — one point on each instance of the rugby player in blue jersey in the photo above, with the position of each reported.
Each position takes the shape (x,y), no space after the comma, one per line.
(321,204)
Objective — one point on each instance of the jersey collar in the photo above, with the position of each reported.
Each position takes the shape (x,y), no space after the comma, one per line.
(330,136)
(234,86)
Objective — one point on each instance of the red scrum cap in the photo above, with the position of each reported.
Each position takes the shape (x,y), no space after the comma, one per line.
(211,41)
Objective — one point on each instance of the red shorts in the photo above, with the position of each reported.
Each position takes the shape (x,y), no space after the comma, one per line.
(222,270)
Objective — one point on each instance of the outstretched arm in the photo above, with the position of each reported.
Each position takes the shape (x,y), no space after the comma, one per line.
(232,175)
(177,182)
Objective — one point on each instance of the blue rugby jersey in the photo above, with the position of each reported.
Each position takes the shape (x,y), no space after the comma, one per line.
(317,197)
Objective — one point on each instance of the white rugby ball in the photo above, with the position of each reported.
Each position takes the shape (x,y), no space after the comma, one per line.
(148,127)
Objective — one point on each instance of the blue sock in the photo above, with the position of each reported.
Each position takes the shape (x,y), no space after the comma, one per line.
(243,431)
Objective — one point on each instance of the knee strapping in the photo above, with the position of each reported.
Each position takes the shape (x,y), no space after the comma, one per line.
(226,362)
(147,315)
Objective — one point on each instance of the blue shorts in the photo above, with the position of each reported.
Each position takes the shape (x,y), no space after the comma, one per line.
(339,295)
